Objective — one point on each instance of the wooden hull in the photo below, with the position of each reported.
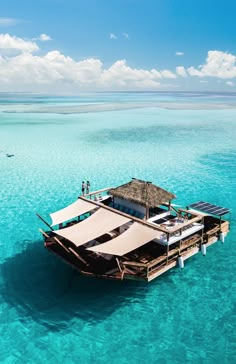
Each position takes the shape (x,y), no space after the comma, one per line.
(145,264)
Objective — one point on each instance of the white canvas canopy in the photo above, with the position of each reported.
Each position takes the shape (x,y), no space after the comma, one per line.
(136,236)
(77,208)
(100,223)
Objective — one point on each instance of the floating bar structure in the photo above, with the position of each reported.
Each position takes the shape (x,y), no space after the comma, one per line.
(132,232)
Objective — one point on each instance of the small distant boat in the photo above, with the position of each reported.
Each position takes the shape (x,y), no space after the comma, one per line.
(132,231)
(10,155)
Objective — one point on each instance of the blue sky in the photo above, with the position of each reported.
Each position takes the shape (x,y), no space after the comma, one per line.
(119,43)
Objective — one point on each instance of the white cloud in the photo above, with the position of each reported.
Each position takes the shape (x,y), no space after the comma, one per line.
(44,37)
(122,76)
(218,64)
(5,22)
(180,71)
(179,53)
(167,74)
(8,42)
(23,70)
(126,35)
(53,70)
(112,36)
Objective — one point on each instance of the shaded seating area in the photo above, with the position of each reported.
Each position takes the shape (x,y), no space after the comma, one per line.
(126,210)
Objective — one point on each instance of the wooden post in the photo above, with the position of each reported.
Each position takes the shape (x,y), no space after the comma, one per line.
(118,263)
(147,202)
(180,243)
(146,217)
(167,253)
(122,271)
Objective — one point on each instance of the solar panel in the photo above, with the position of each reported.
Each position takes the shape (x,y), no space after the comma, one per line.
(209,208)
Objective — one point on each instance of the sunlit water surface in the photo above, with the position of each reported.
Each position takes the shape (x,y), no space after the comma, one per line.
(50,314)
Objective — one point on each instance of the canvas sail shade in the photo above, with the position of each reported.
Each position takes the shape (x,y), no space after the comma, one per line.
(77,208)
(136,236)
(100,223)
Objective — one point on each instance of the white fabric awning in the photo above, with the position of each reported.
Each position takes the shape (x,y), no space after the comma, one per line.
(77,208)
(99,223)
(136,236)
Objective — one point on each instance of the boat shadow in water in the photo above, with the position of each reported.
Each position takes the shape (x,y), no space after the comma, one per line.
(40,286)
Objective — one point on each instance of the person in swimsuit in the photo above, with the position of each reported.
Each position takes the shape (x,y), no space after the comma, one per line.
(87,187)
(83,188)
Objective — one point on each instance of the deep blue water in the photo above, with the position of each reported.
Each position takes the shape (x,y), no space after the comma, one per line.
(50,314)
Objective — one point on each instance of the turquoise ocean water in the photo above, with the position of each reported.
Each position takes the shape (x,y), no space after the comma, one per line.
(50,314)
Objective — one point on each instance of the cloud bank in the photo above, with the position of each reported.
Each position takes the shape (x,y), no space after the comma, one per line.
(31,70)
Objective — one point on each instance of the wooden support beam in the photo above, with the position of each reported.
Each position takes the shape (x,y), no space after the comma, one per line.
(172,208)
(122,271)
(118,263)
(180,243)
(167,253)
(78,256)
(98,191)
(60,243)
(189,222)
(44,234)
(129,271)
(55,239)
(190,212)
(135,264)
(45,222)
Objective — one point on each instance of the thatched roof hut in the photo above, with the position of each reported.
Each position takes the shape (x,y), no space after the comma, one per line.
(143,193)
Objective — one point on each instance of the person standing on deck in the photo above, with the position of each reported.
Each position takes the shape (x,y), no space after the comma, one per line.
(87,187)
(83,188)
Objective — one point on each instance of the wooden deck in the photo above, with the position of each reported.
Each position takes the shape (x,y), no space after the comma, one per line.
(144,264)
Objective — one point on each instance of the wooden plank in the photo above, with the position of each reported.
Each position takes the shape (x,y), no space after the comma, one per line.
(78,256)
(161,270)
(60,243)
(185,245)
(45,222)
(137,264)
(194,213)
(118,263)
(214,230)
(44,234)
(181,226)
(98,191)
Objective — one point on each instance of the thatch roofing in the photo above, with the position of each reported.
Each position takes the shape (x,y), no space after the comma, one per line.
(143,193)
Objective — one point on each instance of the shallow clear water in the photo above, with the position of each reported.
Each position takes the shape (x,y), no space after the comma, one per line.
(49,313)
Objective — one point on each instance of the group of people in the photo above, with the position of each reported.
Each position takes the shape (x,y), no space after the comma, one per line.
(85,188)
